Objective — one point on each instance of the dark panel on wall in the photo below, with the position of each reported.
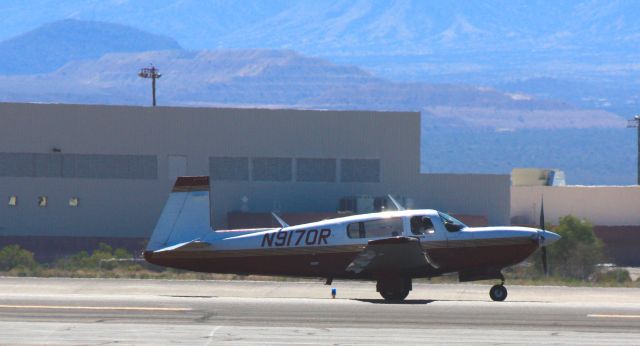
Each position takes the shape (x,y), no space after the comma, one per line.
(316,170)
(360,170)
(48,165)
(110,166)
(272,169)
(79,166)
(16,165)
(229,168)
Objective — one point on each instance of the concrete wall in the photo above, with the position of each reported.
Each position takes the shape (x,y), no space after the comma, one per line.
(601,205)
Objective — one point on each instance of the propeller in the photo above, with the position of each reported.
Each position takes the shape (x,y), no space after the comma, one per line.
(543,249)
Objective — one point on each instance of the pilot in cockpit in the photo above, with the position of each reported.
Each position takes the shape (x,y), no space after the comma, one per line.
(421,225)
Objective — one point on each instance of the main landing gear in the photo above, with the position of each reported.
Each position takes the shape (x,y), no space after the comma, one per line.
(394,289)
(498,293)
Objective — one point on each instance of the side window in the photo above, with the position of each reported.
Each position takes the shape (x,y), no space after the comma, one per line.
(421,225)
(381,228)
(356,230)
(13,201)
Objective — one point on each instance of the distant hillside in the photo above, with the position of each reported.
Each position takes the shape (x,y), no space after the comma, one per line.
(382,28)
(588,43)
(277,78)
(50,46)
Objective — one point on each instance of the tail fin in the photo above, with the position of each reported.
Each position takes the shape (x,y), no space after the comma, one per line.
(186,215)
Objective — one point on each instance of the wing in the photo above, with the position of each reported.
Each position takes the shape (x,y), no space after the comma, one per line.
(391,254)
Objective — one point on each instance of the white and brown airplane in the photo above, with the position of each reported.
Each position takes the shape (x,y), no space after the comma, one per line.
(390,247)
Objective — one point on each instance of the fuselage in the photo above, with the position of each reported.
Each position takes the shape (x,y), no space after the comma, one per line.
(327,248)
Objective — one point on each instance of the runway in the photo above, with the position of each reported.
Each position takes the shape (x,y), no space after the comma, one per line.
(151,312)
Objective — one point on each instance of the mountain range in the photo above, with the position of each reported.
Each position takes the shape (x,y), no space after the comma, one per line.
(52,45)
(54,58)
(275,78)
(525,46)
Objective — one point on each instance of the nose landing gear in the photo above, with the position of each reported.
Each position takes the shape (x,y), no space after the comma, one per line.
(498,293)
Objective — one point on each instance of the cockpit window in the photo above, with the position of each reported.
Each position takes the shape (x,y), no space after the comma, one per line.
(421,225)
(450,223)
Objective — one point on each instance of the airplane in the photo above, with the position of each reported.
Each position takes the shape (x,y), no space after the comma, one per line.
(389,247)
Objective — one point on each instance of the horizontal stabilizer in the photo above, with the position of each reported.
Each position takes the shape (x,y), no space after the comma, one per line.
(193,245)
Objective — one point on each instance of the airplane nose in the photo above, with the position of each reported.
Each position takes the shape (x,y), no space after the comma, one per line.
(547,238)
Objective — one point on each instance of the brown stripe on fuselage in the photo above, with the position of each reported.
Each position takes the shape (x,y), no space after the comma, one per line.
(355,248)
(273,251)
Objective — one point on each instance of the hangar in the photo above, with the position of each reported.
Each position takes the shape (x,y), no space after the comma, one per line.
(74,175)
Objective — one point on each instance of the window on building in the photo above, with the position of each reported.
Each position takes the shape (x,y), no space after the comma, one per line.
(272,169)
(316,170)
(73,202)
(13,201)
(229,168)
(42,201)
(360,170)
(381,228)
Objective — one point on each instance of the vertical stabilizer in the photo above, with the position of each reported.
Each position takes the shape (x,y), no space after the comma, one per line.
(185,216)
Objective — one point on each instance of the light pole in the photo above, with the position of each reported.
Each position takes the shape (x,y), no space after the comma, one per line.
(635,122)
(153,73)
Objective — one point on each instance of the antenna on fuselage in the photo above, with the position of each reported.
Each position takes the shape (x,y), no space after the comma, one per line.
(398,206)
(280,220)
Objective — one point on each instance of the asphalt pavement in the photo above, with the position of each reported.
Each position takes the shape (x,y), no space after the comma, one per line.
(37,311)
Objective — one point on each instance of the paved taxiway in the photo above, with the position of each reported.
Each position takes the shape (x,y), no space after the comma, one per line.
(96,311)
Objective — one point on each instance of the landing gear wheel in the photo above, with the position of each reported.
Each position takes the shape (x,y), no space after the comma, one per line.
(498,293)
(394,289)
(394,296)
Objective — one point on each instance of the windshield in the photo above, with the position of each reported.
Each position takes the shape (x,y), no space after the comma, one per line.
(451,221)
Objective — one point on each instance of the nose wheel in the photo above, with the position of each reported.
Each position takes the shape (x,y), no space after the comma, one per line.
(498,293)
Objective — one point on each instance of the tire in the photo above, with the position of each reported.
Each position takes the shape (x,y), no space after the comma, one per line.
(394,290)
(498,293)
(396,296)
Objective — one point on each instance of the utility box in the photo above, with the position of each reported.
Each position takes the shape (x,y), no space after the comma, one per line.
(357,204)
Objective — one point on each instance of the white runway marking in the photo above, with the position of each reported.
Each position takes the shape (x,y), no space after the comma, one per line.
(68,307)
(613,316)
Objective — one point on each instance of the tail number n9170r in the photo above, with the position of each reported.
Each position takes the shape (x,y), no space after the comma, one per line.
(296,237)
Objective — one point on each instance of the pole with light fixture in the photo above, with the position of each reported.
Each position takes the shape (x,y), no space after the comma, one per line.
(152,73)
(635,123)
